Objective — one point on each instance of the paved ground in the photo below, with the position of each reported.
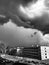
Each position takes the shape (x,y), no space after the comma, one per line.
(23,61)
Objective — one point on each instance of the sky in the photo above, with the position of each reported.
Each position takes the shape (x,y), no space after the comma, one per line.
(14,35)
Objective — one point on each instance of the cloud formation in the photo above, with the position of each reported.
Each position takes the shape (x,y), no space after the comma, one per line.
(33,10)
(15,30)
(40,22)
(19,36)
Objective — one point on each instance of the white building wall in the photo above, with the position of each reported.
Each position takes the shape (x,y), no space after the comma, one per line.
(44,52)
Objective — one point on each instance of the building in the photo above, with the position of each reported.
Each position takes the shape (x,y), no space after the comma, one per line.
(35,52)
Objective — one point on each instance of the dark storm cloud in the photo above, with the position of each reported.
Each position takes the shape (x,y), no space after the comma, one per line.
(21,31)
(3,20)
(9,8)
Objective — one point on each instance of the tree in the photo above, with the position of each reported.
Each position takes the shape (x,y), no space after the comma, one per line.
(2,47)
